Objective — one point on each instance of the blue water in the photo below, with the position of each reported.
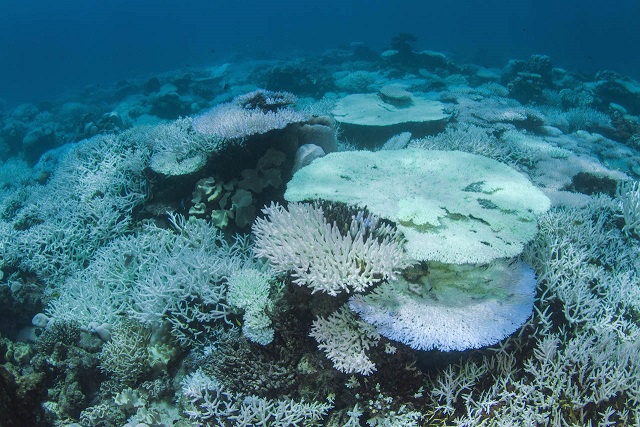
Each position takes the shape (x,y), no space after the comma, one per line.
(48,48)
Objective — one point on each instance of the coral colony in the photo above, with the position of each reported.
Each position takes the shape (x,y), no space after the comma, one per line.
(406,242)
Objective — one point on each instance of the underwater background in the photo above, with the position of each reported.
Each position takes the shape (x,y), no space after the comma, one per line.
(51,47)
(353,214)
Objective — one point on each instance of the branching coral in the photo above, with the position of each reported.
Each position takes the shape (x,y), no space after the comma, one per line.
(87,202)
(178,149)
(125,356)
(345,339)
(207,401)
(628,194)
(301,240)
(248,290)
(159,274)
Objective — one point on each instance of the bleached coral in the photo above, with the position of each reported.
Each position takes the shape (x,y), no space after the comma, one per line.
(464,306)
(206,398)
(100,292)
(178,149)
(353,415)
(248,290)
(358,81)
(188,265)
(628,193)
(577,362)
(393,419)
(227,122)
(156,275)
(397,142)
(299,239)
(575,379)
(383,411)
(14,173)
(587,119)
(207,401)
(452,207)
(464,137)
(345,339)
(88,201)
(250,114)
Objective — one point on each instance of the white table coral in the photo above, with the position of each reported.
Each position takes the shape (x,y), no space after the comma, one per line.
(452,207)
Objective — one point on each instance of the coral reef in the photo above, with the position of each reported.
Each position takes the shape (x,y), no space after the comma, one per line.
(206,252)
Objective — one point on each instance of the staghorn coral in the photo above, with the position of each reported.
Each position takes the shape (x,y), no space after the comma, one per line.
(206,401)
(88,201)
(464,137)
(577,361)
(155,276)
(178,149)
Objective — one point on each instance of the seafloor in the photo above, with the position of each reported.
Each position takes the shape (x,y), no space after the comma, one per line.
(161,264)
